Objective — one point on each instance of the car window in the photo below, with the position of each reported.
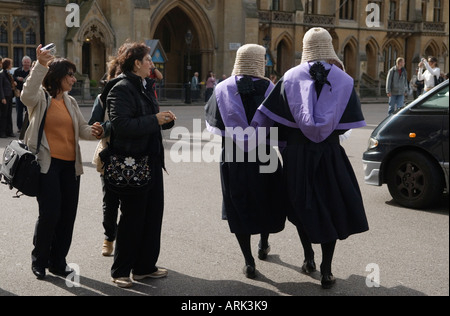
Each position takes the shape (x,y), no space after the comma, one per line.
(438,101)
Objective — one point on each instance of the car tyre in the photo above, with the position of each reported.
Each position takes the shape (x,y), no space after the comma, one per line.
(414,181)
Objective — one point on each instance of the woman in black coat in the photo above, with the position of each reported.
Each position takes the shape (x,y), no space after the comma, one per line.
(136,130)
(7,85)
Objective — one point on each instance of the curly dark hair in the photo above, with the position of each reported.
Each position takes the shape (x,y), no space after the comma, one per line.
(58,70)
(129,53)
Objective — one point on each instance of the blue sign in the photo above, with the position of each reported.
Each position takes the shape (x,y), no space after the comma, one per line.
(269,61)
(157,57)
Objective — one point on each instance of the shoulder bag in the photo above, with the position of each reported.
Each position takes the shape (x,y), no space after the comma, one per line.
(20,167)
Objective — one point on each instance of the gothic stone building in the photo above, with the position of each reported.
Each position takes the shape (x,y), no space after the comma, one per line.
(368,34)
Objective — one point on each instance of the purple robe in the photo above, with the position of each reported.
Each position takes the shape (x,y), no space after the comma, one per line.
(316,117)
(234,118)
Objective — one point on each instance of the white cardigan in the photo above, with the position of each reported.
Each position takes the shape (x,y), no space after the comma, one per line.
(33,97)
(428,75)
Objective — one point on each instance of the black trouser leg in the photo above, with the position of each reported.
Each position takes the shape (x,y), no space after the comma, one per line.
(138,239)
(244,243)
(129,234)
(150,245)
(111,204)
(19,113)
(58,202)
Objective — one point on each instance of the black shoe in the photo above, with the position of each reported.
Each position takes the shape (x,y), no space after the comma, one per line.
(309,266)
(11,135)
(250,271)
(328,280)
(262,253)
(3,136)
(38,272)
(61,272)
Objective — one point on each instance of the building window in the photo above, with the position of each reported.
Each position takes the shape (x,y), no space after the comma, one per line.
(437,11)
(311,7)
(424,10)
(347,10)
(18,37)
(390,54)
(393,10)
(276,6)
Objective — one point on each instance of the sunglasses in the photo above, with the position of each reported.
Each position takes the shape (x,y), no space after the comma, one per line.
(71,74)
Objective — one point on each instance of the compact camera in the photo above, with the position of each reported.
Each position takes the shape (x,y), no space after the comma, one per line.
(51,48)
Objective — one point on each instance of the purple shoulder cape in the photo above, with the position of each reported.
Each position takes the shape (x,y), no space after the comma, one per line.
(232,112)
(316,117)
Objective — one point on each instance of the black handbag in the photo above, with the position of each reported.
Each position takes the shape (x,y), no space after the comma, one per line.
(125,174)
(20,167)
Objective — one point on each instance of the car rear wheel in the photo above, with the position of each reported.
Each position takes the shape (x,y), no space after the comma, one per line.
(414,180)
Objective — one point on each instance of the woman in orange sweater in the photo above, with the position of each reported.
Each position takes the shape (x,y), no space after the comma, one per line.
(46,96)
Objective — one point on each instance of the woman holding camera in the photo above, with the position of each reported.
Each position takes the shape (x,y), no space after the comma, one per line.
(429,73)
(45,94)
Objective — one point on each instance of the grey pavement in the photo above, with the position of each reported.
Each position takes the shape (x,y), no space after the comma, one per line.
(409,248)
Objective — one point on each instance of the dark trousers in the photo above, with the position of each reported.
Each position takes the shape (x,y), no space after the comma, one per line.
(111,204)
(138,240)
(6,125)
(19,111)
(58,202)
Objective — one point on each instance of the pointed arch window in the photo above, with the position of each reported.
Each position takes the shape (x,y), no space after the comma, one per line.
(347,9)
(437,11)
(390,54)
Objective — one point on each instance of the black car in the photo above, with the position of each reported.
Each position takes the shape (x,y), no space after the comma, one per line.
(409,151)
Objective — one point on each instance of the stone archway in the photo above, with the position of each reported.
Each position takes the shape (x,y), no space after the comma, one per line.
(90,45)
(170,22)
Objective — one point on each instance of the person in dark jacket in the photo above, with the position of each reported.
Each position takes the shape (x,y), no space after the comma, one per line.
(136,130)
(252,198)
(7,85)
(397,85)
(20,76)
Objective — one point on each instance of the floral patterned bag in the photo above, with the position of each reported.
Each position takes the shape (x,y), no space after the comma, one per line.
(126,174)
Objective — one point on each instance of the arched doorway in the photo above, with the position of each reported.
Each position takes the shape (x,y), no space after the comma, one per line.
(171,33)
(372,59)
(284,56)
(94,58)
(350,58)
(170,23)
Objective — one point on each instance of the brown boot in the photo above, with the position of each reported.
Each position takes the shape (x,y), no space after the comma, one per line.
(107,248)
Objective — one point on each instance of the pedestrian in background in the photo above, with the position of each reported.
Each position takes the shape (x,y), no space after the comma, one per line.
(429,72)
(252,200)
(136,131)
(110,202)
(315,103)
(416,85)
(195,87)
(20,76)
(210,85)
(7,86)
(45,94)
(397,85)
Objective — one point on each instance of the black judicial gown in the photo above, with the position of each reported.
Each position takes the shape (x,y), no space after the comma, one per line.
(323,192)
(253,202)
